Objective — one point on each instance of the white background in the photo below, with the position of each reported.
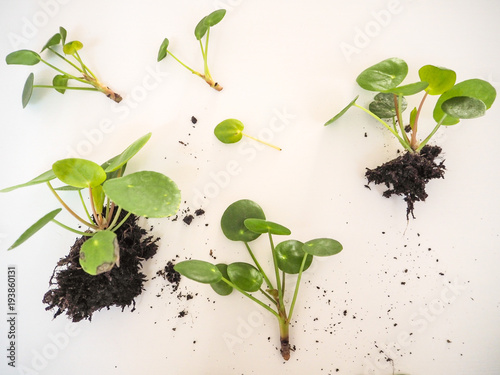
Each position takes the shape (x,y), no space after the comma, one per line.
(286,68)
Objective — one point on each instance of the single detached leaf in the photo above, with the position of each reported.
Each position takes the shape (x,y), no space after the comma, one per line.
(201,28)
(71,48)
(322,247)
(63,33)
(23,57)
(100,253)
(245,276)
(215,17)
(410,89)
(56,39)
(263,226)
(383,76)
(28,89)
(221,287)
(145,193)
(199,270)
(80,173)
(44,177)
(233,218)
(35,227)
(162,53)
(118,161)
(229,131)
(384,107)
(474,88)
(290,255)
(60,80)
(464,107)
(341,113)
(440,79)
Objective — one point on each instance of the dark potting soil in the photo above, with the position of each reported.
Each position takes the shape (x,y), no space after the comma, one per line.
(408,174)
(79,295)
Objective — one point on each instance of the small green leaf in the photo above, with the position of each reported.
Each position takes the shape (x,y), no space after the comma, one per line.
(36,227)
(341,113)
(44,177)
(440,79)
(383,76)
(263,226)
(245,276)
(229,131)
(118,161)
(80,173)
(464,107)
(474,88)
(201,28)
(384,107)
(233,218)
(145,193)
(63,33)
(199,270)
(289,256)
(98,197)
(322,247)
(71,48)
(23,57)
(162,53)
(56,39)
(28,89)
(215,17)
(100,253)
(221,287)
(413,117)
(60,80)
(410,89)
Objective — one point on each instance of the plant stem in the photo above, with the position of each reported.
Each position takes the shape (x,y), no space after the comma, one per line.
(296,292)
(184,65)
(397,105)
(205,56)
(122,222)
(115,219)
(285,338)
(63,72)
(268,282)
(263,142)
(66,87)
(438,125)
(414,142)
(85,67)
(65,59)
(277,272)
(84,205)
(97,217)
(268,296)
(73,230)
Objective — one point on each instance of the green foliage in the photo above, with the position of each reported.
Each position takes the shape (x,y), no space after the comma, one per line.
(233,220)
(199,270)
(383,76)
(221,287)
(341,113)
(79,173)
(35,227)
(264,226)
(290,255)
(245,276)
(464,107)
(229,131)
(23,57)
(440,79)
(100,253)
(384,107)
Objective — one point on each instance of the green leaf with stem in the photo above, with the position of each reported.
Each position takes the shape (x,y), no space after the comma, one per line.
(201,28)
(464,107)
(28,89)
(23,57)
(44,177)
(145,193)
(199,270)
(341,113)
(162,53)
(100,253)
(264,226)
(60,80)
(245,276)
(120,160)
(35,227)
(410,89)
(383,76)
(54,40)
(221,287)
(383,105)
(440,79)
(322,247)
(231,131)
(215,17)
(233,218)
(290,256)
(71,48)
(79,173)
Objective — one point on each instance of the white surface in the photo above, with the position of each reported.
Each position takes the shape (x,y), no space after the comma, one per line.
(282,67)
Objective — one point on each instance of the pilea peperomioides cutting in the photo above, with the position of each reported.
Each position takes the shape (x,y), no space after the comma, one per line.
(245,221)
(408,174)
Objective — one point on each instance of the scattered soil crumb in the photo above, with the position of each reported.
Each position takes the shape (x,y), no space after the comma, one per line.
(171,275)
(194,120)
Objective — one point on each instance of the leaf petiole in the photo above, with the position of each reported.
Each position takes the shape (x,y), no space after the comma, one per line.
(268,282)
(87,234)
(263,142)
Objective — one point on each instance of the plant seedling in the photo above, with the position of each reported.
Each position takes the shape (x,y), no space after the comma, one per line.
(245,221)
(408,174)
(231,131)
(66,51)
(144,193)
(201,30)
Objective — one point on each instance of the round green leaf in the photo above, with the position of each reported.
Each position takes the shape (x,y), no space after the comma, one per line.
(233,218)
(100,253)
(199,270)
(383,105)
(245,276)
(28,89)
(23,57)
(263,226)
(118,161)
(464,107)
(145,193)
(440,79)
(341,113)
(322,247)
(474,88)
(221,287)
(35,227)
(162,53)
(229,131)
(60,80)
(290,255)
(215,17)
(201,28)
(71,48)
(80,173)
(56,39)
(383,76)
(44,177)
(410,89)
